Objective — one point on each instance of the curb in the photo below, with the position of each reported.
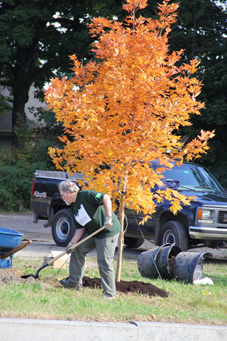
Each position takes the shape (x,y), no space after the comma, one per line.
(56,330)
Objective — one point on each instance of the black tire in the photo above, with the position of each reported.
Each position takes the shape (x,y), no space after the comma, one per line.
(63,227)
(133,242)
(174,232)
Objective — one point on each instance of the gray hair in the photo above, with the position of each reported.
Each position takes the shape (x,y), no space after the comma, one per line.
(68,185)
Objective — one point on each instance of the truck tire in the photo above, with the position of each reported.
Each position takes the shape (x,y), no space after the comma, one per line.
(174,232)
(133,242)
(63,227)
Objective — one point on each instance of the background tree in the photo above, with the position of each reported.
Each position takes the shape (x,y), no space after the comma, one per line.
(36,39)
(123,110)
(201,31)
(37,36)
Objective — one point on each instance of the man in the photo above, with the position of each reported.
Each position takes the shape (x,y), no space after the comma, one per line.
(91,210)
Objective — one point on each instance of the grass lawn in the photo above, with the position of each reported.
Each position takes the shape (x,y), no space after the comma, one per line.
(44,298)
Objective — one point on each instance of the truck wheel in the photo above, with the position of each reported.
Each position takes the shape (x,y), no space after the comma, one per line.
(133,242)
(174,232)
(63,227)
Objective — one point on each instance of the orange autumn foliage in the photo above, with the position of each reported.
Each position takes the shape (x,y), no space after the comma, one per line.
(124,109)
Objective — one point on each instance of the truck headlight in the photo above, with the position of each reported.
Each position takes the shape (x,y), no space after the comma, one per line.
(205,216)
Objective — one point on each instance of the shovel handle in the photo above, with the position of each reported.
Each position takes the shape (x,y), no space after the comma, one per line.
(51,261)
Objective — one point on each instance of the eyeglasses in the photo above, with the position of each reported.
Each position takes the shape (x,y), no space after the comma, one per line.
(63,194)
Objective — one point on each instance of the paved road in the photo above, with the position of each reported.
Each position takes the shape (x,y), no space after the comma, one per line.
(43,244)
(42,241)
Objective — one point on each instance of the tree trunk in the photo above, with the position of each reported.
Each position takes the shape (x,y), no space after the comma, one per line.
(18,117)
(120,242)
(121,235)
(22,80)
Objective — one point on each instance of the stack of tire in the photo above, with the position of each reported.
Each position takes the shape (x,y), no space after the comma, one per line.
(169,262)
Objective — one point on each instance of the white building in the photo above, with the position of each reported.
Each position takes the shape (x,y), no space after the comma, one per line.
(6,115)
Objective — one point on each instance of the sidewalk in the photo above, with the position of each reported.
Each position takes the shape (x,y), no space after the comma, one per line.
(37,330)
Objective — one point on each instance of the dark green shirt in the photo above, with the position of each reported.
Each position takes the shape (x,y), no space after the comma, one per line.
(89,212)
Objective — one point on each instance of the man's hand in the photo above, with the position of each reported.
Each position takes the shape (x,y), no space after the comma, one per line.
(108,222)
(69,247)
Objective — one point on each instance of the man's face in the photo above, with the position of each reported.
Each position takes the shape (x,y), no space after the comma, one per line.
(67,197)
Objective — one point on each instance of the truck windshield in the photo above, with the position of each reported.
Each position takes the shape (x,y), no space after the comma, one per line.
(193,177)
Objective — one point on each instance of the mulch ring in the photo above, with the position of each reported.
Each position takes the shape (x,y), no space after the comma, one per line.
(13,276)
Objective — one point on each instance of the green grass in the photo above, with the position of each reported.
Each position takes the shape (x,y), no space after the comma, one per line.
(44,298)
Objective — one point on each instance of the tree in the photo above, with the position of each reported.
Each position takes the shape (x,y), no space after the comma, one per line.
(36,39)
(124,109)
(200,31)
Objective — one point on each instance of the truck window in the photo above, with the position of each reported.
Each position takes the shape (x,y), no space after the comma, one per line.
(193,177)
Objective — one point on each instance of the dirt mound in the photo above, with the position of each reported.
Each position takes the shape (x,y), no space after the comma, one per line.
(13,276)
(8,276)
(128,287)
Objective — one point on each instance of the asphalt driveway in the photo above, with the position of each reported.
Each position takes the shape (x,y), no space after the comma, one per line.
(43,243)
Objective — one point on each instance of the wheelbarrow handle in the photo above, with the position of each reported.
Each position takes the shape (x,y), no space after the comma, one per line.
(16,249)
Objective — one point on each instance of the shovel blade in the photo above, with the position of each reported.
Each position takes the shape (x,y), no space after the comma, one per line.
(36,275)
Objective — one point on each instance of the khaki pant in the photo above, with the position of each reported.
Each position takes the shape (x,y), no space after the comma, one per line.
(105,253)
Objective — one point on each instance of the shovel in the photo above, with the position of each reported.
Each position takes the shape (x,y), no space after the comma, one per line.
(51,261)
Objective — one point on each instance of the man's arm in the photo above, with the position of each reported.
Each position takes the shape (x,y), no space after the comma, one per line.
(107,205)
(108,209)
(77,236)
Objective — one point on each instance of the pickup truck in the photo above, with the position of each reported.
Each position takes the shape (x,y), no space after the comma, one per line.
(204,221)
